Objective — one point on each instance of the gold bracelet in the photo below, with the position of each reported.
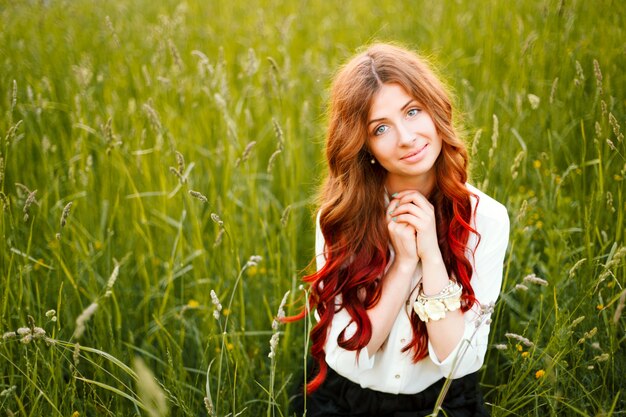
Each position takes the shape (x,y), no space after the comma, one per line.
(434,307)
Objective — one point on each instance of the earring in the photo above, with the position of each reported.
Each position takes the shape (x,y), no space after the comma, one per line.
(372,161)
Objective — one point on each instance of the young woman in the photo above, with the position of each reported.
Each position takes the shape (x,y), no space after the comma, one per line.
(409,255)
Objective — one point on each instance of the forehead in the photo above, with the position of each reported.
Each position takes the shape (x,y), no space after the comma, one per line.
(388,99)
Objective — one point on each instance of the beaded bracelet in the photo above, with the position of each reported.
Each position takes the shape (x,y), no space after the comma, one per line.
(434,307)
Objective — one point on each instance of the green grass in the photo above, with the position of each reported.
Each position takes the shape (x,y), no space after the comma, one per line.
(96,99)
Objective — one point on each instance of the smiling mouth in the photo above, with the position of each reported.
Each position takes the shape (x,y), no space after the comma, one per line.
(412,154)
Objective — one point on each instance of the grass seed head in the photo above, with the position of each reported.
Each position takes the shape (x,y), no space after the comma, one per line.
(175,54)
(180,160)
(9,335)
(65,214)
(280,137)
(555,83)
(519,338)
(14,96)
(253,63)
(533,279)
(574,268)
(217,304)
(598,74)
(285,216)
(109,25)
(199,196)
(253,261)
(8,391)
(580,76)
(153,116)
(272,160)
(83,318)
(5,201)
(149,391)
(112,279)
(577,321)
(217,219)
(534,101)
(29,201)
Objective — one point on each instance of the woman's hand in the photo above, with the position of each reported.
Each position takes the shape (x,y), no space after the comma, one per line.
(403,240)
(411,209)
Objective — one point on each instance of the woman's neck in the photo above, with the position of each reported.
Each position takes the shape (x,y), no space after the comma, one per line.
(423,184)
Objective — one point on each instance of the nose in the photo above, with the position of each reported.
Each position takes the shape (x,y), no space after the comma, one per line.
(407,136)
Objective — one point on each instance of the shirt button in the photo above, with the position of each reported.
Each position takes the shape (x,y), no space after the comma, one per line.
(397,376)
(402,340)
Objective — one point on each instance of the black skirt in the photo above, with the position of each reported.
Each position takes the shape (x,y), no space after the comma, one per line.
(340,397)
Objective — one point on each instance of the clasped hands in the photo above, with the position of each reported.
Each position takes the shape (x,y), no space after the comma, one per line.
(412,227)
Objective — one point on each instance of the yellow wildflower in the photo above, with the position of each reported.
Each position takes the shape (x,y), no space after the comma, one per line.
(75,414)
(525,355)
(519,347)
(193,304)
(537,164)
(540,373)
(600,307)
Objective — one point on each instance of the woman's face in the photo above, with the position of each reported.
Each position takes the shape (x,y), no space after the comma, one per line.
(402,136)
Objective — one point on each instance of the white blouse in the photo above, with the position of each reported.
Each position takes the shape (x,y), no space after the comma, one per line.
(389,369)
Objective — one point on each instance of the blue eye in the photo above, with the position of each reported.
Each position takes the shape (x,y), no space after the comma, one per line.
(413,112)
(380,130)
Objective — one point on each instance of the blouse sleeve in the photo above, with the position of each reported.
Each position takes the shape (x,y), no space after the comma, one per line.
(493,226)
(345,362)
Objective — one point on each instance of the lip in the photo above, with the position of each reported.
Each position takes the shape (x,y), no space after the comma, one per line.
(415,156)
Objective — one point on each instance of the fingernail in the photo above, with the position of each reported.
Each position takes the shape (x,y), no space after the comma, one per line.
(394,219)
(394,195)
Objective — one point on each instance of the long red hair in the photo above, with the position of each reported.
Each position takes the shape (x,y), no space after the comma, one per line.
(351,200)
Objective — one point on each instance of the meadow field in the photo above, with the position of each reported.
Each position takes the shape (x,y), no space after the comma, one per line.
(159,162)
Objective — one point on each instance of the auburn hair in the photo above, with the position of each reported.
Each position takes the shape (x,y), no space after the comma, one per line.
(352,205)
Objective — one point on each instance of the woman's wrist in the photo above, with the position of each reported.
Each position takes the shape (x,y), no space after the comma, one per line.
(407,266)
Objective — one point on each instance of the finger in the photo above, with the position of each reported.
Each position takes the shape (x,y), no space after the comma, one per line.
(407,219)
(410,208)
(416,198)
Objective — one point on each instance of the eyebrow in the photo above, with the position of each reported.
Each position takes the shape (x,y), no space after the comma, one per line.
(402,108)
